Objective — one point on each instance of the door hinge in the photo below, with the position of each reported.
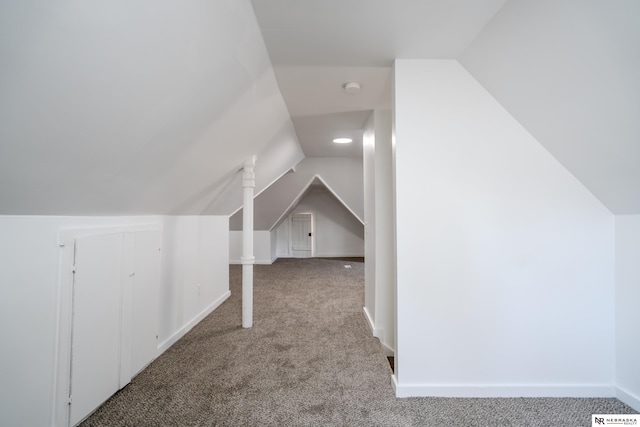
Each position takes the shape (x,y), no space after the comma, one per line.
(73,268)
(69,400)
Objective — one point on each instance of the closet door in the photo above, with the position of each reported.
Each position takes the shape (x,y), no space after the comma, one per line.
(95,339)
(301,238)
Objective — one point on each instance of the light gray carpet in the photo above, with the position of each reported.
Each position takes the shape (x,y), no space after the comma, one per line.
(309,360)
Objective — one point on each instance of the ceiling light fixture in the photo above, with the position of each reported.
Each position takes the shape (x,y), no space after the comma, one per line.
(342,140)
(351,88)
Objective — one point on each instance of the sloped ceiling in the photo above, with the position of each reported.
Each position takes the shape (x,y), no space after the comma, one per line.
(342,176)
(151,107)
(139,107)
(321,110)
(317,46)
(568,71)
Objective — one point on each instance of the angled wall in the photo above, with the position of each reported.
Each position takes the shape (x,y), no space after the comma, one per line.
(567,70)
(278,157)
(505,274)
(342,175)
(112,110)
(337,232)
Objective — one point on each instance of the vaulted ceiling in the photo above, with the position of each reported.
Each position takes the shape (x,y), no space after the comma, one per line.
(152,106)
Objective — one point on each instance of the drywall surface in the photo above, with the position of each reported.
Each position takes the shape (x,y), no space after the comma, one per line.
(195,251)
(195,270)
(112,110)
(369,169)
(505,262)
(627,313)
(379,228)
(337,232)
(262,247)
(279,156)
(283,247)
(568,72)
(384,230)
(342,175)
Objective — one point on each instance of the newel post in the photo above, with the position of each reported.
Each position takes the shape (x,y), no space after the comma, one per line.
(248,185)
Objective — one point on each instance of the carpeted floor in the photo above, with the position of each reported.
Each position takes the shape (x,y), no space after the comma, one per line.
(309,360)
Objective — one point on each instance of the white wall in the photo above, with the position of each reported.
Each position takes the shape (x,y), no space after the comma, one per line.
(262,247)
(283,250)
(567,71)
(342,174)
(273,238)
(368,166)
(138,106)
(337,232)
(627,313)
(195,250)
(379,228)
(505,261)
(385,226)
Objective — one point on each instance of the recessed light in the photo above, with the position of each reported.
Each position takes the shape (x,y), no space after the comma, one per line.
(351,88)
(342,140)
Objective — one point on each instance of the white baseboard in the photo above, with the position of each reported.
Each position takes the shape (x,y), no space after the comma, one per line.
(375,332)
(258,261)
(488,390)
(164,346)
(271,261)
(388,351)
(338,255)
(628,398)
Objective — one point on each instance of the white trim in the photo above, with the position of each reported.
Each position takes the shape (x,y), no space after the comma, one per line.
(291,169)
(166,344)
(339,255)
(628,398)
(257,261)
(296,200)
(388,351)
(341,201)
(378,333)
(394,384)
(499,390)
(375,332)
(292,205)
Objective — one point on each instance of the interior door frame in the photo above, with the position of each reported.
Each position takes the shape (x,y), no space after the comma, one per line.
(63,328)
(313,232)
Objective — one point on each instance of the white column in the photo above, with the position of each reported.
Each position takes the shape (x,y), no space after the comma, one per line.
(248,184)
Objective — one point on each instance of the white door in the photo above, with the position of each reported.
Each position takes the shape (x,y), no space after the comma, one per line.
(301,237)
(95,339)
